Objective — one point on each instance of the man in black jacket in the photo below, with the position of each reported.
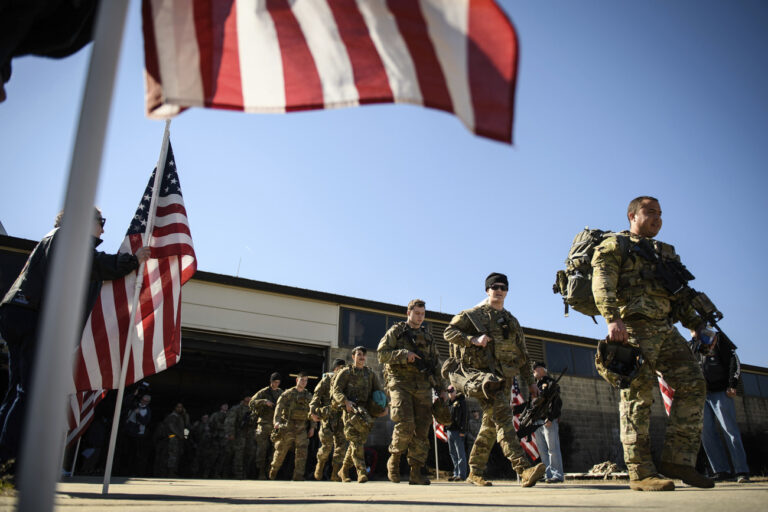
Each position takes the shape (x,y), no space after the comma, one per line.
(457,434)
(548,435)
(20,311)
(721,371)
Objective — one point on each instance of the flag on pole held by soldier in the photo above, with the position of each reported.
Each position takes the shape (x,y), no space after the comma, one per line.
(667,393)
(530,447)
(157,340)
(275,56)
(440,431)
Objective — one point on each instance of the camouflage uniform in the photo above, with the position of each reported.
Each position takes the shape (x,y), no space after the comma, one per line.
(410,390)
(505,355)
(174,425)
(292,412)
(356,385)
(266,415)
(202,434)
(331,432)
(215,466)
(236,427)
(624,287)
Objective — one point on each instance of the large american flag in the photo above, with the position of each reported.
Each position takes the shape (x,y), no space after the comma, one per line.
(530,447)
(80,412)
(157,344)
(459,56)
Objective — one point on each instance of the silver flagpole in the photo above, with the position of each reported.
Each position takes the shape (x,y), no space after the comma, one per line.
(159,170)
(62,315)
(437,463)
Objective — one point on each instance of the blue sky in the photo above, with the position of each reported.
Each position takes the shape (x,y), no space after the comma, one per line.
(614,100)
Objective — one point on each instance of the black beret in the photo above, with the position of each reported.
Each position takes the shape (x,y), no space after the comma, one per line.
(494,278)
(536,364)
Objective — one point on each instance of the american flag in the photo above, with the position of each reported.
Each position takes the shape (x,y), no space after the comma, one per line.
(80,412)
(157,344)
(667,394)
(276,56)
(440,431)
(530,447)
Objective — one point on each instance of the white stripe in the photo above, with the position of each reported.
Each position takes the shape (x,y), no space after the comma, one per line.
(110,321)
(177,52)
(174,238)
(328,51)
(171,218)
(88,349)
(170,199)
(261,64)
(398,63)
(448,25)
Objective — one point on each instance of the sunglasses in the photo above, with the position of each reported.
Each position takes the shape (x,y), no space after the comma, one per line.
(101,221)
(498,287)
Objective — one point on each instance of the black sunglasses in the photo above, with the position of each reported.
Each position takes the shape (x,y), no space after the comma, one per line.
(497,287)
(101,221)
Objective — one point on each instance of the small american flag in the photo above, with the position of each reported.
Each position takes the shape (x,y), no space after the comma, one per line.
(667,394)
(440,431)
(157,344)
(530,447)
(80,412)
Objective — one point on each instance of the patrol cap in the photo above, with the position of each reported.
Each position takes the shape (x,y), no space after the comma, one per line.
(275,376)
(338,362)
(494,278)
(360,348)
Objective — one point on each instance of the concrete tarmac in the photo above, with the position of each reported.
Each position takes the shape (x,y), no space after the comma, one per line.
(170,495)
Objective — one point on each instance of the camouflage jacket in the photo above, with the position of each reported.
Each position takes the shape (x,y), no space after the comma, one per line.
(259,407)
(217,424)
(393,353)
(293,405)
(320,404)
(175,424)
(238,420)
(354,384)
(625,286)
(505,355)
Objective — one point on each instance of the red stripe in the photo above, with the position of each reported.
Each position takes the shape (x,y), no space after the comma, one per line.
(148,325)
(172,250)
(122,303)
(99,330)
(169,209)
(413,28)
(492,55)
(176,227)
(303,89)
(370,76)
(169,320)
(216,29)
(151,64)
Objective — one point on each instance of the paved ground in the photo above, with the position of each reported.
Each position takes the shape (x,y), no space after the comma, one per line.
(213,495)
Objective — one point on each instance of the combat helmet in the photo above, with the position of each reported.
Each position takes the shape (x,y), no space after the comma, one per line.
(618,363)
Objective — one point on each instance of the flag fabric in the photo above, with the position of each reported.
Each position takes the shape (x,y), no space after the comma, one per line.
(80,412)
(157,343)
(667,394)
(530,447)
(275,56)
(440,431)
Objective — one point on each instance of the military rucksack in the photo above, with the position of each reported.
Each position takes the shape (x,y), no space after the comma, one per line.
(575,282)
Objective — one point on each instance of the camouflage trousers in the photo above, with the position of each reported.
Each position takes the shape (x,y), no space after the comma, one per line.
(665,351)
(263,444)
(356,448)
(411,410)
(332,441)
(497,425)
(236,453)
(293,436)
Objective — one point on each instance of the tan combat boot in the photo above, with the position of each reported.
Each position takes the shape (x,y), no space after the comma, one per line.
(393,467)
(319,470)
(476,479)
(417,478)
(272,473)
(530,476)
(344,472)
(687,474)
(652,483)
(335,473)
(362,476)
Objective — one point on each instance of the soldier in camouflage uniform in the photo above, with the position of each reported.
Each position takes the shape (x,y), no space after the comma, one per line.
(215,466)
(410,379)
(490,340)
(174,425)
(292,417)
(639,311)
(263,405)
(352,389)
(236,427)
(331,431)
(202,436)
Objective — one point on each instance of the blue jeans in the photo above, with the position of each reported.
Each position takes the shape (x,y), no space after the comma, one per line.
(719,410)
(548,441)
(458,454)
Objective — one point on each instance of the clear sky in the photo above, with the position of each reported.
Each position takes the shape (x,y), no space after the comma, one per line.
(388,203)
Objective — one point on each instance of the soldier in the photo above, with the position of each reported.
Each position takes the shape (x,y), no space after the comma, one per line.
(491,345)
(236,428)
(215,466)
(174,426)
(331,432)
(410,359)
(640,312)
(352,389)
(203,438)
(263,405)
(291,421)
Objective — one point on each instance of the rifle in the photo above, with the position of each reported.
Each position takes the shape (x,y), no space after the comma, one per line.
(674,277)
(423,363)
(489,355)
(535,413)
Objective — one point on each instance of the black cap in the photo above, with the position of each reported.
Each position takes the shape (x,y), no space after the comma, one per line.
(360,348)
(275,376)
(302,373)
(536,364)
(338,362)
(494,278)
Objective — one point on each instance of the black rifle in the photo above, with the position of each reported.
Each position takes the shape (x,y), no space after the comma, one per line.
(423,363)
(535,413)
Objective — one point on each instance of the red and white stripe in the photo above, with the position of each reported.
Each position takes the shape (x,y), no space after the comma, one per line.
(459,56)
(530,447)
(80,412)
(667,394)
(440,431)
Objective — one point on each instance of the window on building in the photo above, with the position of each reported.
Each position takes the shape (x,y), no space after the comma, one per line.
(754,384)
(580,361)
(366,328)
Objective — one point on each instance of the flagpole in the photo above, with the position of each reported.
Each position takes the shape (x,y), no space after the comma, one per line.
(74,459)
(159,170)
(60,325)
(437,463)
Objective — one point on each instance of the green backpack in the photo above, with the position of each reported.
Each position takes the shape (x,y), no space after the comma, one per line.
(575,282)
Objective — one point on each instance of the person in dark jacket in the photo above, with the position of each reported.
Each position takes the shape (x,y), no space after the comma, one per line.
(722,371)
(548,435)
(457,434)
(19,317)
